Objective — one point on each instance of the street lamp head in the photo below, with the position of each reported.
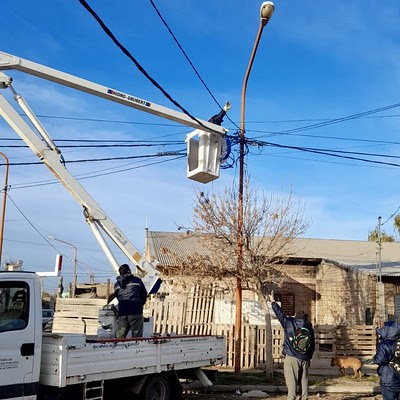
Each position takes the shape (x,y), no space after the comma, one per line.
(50,237)
(266,11)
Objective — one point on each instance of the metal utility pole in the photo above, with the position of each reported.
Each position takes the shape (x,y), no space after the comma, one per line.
(3,208)
(380,287)
(379,275)
(266,11)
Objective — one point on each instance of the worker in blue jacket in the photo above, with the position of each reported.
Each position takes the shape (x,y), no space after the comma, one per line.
(388,359)
(298,348)
(131,295)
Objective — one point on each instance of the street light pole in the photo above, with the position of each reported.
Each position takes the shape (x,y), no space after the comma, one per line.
(266,11)
(3,208)
(74,283)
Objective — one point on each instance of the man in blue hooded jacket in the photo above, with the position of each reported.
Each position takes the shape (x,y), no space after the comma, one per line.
(298,348)
(131,295)
(385,358)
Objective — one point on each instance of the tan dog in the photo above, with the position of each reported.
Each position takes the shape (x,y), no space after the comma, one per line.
(348,362)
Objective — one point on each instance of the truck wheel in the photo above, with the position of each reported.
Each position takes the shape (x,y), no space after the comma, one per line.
(158,387)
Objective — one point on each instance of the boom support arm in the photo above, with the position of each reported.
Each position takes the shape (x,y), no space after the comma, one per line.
(94,215)
(43,146)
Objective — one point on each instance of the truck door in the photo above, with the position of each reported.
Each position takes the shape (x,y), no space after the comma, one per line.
(17,334)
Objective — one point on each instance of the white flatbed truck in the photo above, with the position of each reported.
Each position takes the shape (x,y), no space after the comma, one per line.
(40,365)
(37,365)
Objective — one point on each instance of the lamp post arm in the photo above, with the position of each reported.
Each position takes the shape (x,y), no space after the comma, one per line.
(246,77)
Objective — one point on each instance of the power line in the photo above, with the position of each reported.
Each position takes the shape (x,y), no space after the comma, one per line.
(177,125)
(137,64)
(29,222)
(321,161)
(323,152)
(271,134)
(187,58)
(389,218)
(336,120)
(120,145)
(162,154)
(53,182)
(316,119)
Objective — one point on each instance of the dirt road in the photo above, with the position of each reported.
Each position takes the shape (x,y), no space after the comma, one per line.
(272,396)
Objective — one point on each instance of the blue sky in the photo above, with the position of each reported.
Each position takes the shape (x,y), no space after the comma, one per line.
(316,61)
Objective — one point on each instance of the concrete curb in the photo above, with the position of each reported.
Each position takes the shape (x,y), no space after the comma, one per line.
(353,389)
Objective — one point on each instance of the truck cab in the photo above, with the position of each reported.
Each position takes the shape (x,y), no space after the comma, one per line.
(20,335)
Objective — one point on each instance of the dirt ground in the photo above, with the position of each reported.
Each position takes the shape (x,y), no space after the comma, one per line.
(271,396)
(335,379)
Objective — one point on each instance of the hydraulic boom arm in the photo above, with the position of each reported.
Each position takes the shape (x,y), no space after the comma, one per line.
(43,146)
(8,61)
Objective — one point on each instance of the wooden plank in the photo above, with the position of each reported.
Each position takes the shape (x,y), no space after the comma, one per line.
(74,325)
(81,301)
(82,313)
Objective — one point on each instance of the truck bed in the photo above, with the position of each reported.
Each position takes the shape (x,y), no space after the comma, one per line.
(69,359)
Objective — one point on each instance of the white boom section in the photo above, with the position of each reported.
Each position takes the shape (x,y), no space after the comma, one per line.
(44,147)
(8,61)
(94,215)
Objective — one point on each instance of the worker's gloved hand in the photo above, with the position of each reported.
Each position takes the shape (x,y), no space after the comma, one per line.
(227,106)
(271,297)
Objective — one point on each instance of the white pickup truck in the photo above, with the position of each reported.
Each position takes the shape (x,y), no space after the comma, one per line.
(40,365)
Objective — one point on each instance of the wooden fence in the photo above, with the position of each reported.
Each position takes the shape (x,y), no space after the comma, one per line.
(194,317)
(191,316)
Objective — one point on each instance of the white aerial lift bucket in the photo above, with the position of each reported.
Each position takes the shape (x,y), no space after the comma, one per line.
(204,151)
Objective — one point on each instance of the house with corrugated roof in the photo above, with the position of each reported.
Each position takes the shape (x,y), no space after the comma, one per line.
(335,281)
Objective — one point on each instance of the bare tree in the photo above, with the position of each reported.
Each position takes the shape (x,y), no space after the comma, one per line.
(270,224)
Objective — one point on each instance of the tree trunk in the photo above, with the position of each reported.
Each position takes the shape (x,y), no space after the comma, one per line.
(268,336)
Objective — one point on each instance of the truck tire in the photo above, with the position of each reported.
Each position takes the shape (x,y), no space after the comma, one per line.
(158,387)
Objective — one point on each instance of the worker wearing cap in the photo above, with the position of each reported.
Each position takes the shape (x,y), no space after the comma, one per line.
(131,295)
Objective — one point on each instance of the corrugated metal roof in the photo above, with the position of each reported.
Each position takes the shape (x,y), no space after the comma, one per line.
(165,247)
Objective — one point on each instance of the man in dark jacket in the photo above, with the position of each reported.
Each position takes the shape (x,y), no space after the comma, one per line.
(298,348)
(388,335)
(131,295)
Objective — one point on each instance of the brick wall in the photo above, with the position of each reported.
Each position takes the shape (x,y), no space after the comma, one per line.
(343,295)
(297,290)
(330,294)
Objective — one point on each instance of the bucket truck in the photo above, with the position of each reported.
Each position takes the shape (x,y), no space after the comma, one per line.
(34,364)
